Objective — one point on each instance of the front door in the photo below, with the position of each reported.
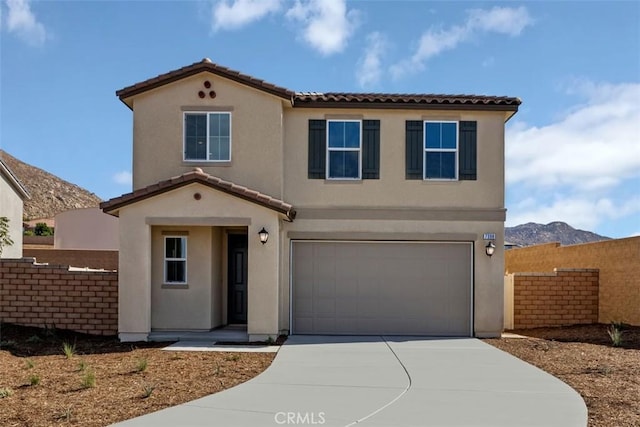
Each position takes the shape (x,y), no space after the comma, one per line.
(237,310)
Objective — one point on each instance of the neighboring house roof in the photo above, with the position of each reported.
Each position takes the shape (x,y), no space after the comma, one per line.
(14,181)
(328,100)
(198,176)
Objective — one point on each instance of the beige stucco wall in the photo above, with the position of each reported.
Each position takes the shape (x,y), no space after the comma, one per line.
(186,307)
(256,148)
(144,305)
(488,276)
(88,228)
(11,206)
(392,189)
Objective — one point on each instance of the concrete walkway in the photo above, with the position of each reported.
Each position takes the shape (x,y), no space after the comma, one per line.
(386,381)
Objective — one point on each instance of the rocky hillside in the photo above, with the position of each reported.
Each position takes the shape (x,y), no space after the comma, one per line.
(534,234)
(50,195)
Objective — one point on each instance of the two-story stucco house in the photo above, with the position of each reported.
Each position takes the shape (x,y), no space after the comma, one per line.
(12,197)
(374,208)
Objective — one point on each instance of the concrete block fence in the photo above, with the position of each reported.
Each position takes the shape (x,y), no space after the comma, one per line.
(34,294)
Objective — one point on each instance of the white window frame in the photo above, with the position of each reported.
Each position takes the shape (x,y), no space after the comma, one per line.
(184,136)
(425,150)
(329,149)
(166,259)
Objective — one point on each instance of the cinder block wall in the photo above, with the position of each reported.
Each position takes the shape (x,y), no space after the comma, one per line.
(39,295)
(107,260)
(618,261)
(564,297)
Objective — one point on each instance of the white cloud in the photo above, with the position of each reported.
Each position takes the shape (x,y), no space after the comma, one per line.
(328,24)
(501,20)
(595,146)
(580,211)
(22,22)
(584,168)
(123,178)
(230,15)
(369,69)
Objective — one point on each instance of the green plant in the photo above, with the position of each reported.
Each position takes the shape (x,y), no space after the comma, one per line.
(615,333)
(29,233)
(270,340)
(82,366)
(5,240)
(68,349)
(141,364)
(34,379)
(42,229)
(28,364)
(5,392)
(88,379)
(147,389)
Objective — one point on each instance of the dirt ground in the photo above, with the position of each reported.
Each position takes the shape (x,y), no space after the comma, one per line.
(607,377)
(132,380)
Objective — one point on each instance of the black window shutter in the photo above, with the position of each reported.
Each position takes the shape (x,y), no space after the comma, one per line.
(467,157)
(414,149)
(317,149)
(371,149)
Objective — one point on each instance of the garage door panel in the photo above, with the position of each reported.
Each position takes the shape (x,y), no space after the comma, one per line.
(413,288)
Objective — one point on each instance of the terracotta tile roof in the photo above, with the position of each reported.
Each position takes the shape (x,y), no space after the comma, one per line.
(198,67)
(385,100)
(198,176)
(329,100)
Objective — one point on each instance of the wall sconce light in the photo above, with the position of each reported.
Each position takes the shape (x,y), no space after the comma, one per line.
(490,249)
(264,235)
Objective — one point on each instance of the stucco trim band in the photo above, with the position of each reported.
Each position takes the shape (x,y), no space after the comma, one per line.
(364,235)
(198,221)
(435,214)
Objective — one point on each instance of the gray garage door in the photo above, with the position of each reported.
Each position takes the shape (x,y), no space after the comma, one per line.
(393,288)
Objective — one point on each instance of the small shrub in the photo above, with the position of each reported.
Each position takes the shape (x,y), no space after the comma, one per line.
(88,379)
(69,349)
(233,357)
(147,390)
(141,364)
(42,229)
(29,364)
(34,379)
(615,333)
(216,371)
(64,415)
(270,340)
(5,392)
(82,366)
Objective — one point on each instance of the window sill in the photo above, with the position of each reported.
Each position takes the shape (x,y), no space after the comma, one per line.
(206,163)
(343,180)
(175,286)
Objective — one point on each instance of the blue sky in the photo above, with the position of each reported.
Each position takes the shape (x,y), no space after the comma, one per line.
(573,149)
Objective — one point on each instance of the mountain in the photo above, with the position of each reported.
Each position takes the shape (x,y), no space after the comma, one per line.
(50,195)
(534,234)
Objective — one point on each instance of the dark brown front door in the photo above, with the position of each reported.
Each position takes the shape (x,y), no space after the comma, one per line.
(237,311)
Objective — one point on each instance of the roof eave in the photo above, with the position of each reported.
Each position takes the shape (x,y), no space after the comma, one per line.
(406,106)
(113,206)
(15,182)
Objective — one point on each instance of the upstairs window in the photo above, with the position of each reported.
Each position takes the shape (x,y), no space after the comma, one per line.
(440,150)
(175,260)
(207,137)
(344,142)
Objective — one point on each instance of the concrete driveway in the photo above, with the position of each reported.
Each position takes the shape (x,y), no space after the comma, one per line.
(386,381)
